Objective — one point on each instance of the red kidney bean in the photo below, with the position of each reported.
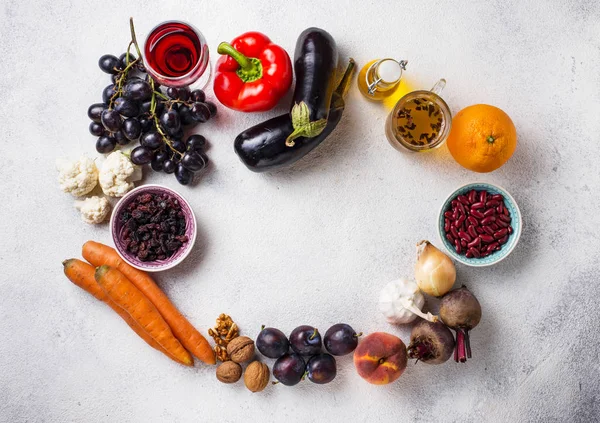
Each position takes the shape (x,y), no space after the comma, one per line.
(465,236)
(486,238)
(507,219)
(497,197)
(448,214)
(489,212)
(502,224)
(478,205)
(460,221)
(474,252)
(457,247)
(446,224)
(488,220)
(492,203)
(450,238)
(479,229)
(492,246)
(488,230)
(506,212)
(472,221)
(503,240)
(500,208)
(461,209)
(454,232)
(469,254)
(494,226)
(463,200)
(475,243)
(463,243)
(499,234)
(471,230)
(472,196)
(485,253)
(483,196)
(454,203)
(510,230)
(477,214)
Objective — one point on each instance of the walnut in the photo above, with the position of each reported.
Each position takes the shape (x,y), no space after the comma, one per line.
(229,372)
(241,349)
(224,331)
(256,376)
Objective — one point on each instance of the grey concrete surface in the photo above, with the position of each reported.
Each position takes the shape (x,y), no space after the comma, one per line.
(315,243)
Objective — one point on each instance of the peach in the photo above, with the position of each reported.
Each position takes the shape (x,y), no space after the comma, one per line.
(380,358)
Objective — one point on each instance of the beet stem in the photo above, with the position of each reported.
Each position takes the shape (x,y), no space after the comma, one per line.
(468,343)
(460,352)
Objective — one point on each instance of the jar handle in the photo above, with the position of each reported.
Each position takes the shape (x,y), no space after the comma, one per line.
(439,86)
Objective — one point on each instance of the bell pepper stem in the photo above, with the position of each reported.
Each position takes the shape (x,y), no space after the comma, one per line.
(250,68)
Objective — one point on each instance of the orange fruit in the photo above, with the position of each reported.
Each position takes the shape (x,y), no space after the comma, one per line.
(482,138)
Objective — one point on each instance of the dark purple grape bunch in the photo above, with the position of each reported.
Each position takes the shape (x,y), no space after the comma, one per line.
(307,358)
(135,108)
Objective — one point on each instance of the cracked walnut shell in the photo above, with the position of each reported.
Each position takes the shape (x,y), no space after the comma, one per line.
(229,372)
(240,349)
(256,376)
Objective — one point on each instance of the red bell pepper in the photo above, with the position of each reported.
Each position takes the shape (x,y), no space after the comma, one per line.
(253,73)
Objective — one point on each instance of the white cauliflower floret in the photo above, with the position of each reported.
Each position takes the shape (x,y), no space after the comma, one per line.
(78,177)
(93,209)
(117,174)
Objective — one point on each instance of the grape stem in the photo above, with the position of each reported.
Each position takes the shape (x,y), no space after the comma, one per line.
(156,122)
(134,38)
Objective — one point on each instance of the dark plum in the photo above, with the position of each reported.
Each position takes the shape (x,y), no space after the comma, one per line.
(341,339)
(111,120)
(272,342)
(321,368)
(109,64)
(95,111)
(289,369)
(183,175)
(105,144)
(306,340)
(141,155)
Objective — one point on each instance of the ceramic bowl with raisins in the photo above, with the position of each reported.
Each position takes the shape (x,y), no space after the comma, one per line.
(479,224)
(153,228)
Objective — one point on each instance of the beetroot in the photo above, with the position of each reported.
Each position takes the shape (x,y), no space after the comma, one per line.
(431,343)
(460,310)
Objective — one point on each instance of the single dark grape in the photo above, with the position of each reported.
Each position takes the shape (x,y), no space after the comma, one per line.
(340,339)
(111,120)
(109,64)
(137,89)
(193,161)
(173,93)
(141,155)
(127,108)
(120,137)
(123,59)
(156,165)
(306,340)
(105,144)
(183,93)
(177,135)
(272,343)
(96,129)
(108,92)
(152,140)
(179,145)
(321,368)
(289,369)
(114,78)
(95,111)
(161,155)
(212,107)
(140,66)
(198,96)
(170,120)
(185,115)
(146,123)
(183,176)
(132,128)
(200,112)
(169,166)
(195,142)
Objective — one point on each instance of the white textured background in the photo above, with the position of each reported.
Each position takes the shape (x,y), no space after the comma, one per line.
(312,244)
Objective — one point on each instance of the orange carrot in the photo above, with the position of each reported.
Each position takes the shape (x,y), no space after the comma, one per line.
(82,275)
(100,254)
(129,298)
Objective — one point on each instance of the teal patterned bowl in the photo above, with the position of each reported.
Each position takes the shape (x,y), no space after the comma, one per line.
(513,239)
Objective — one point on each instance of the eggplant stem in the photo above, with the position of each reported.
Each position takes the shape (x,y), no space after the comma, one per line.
(343,86)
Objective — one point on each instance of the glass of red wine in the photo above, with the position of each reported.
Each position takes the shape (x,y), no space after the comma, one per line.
(176,55)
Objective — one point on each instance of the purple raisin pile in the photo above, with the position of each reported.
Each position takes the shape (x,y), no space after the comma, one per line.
(153,227)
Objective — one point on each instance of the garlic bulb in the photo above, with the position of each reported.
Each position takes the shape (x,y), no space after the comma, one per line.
(401,302)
